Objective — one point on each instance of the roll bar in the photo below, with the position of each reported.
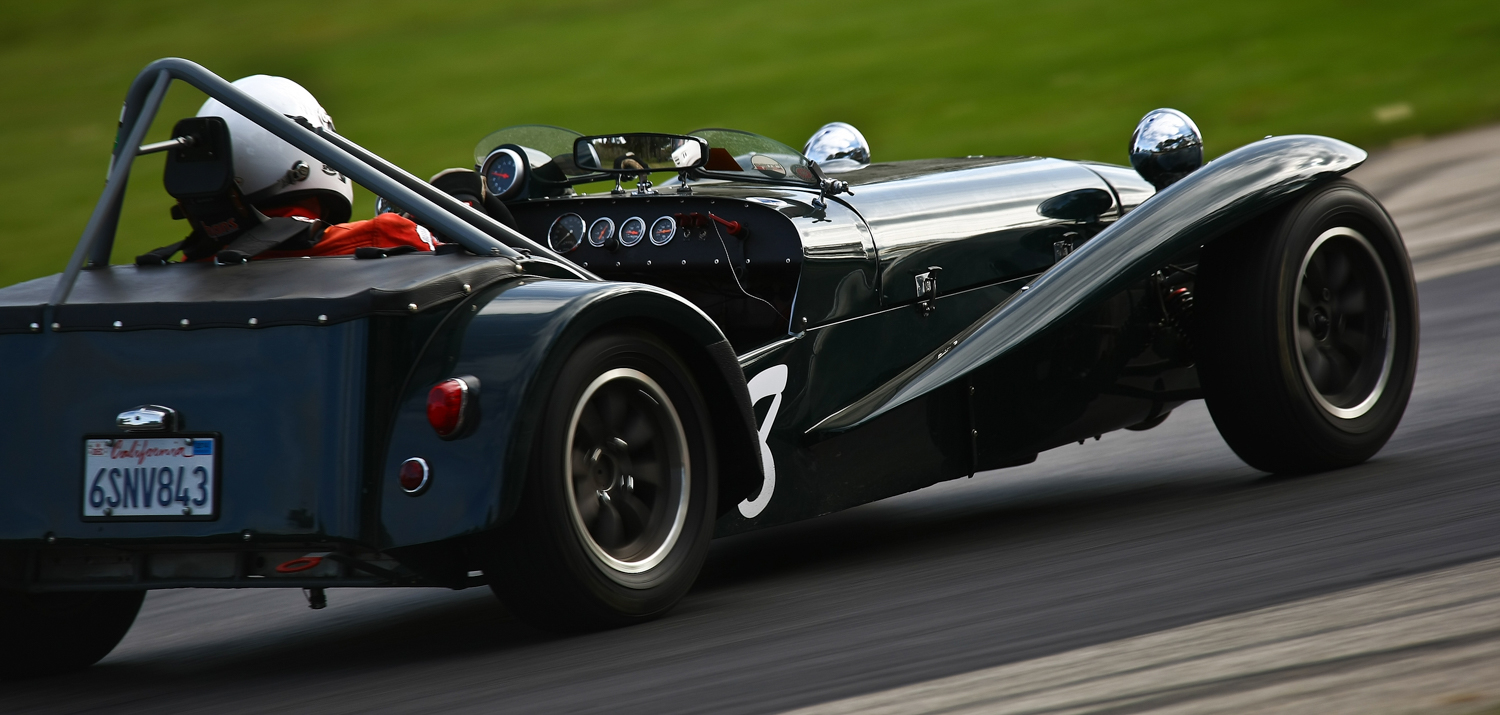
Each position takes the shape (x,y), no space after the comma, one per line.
(433,208)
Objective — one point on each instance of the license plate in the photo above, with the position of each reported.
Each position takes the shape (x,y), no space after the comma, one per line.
(153,477)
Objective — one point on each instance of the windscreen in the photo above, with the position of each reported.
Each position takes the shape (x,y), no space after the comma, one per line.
(742,156)
(544,144)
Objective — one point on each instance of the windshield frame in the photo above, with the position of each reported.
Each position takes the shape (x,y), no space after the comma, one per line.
(766,146)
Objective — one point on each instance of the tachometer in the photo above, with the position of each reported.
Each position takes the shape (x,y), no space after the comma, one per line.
(565,233)
(504,173)
(601,230)
(632,230)
(663,229)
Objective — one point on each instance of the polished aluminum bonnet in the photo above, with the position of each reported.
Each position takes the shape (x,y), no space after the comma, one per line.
(1165,147)
(838,146)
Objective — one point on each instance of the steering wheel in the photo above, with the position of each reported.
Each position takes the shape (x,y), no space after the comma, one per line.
(466,186)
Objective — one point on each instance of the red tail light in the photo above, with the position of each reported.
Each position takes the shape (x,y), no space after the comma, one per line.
(446,405)
(413,477)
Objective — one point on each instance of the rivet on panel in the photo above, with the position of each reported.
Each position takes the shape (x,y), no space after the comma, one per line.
(411,307)
(322,319)
(119,325)
(36,327)
(253,321)
(57,326)
(467,289)
(183,322)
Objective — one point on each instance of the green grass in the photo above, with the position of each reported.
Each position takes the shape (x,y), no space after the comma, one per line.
(421,82)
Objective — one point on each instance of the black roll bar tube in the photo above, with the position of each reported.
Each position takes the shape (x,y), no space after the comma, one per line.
(106,213)
(143,101)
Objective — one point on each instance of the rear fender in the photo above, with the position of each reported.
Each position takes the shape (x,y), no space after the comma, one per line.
(1226,193)
(513,338)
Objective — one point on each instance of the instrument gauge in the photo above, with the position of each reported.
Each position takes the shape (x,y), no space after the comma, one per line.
(565,233)
(600,231)
(663,229)
(632,230)
(504,173)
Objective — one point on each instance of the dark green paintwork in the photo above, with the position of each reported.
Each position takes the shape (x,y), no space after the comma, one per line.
(882,395)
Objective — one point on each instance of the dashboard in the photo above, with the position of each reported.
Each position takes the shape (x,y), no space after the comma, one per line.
(736,259)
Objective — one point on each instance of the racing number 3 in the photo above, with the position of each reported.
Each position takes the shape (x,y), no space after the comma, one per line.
(771,381)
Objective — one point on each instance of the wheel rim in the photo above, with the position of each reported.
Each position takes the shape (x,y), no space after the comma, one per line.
(1346,331)
(627,472)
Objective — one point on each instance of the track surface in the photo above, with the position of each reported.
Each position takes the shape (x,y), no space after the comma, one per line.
(1133,535)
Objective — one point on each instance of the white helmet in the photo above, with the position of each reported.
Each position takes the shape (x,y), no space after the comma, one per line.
(267,167)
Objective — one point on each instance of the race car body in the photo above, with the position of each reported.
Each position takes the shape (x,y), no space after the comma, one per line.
(574,392)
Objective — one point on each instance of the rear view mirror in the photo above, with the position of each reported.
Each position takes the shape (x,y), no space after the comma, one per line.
(639,153)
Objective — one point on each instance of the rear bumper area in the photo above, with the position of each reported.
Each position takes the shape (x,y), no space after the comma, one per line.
(285,407)
(307,565)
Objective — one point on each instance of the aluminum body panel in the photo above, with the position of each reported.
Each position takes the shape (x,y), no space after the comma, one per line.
(513,338)
(1227,192)
(1103,370)
(291,437)
(1130,189)
(976,219)
(827,367)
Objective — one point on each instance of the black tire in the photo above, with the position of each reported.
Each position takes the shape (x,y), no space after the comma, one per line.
(617,511)
(1308,333)
(53,633)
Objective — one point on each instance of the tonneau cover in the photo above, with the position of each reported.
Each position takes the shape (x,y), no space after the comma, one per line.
(284,291)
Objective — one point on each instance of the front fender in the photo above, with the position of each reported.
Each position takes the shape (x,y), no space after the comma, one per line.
(1202,206)
(513,337)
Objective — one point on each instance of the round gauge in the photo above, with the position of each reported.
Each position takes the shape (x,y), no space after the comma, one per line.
(663,229)
(382,206)
(565,233)
(601,230)
(504,173)
(632,230)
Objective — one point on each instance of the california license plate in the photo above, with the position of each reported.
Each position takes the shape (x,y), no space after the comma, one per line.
(153,477)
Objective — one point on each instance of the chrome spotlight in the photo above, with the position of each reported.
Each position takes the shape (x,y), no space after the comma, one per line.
(838,147)
(1166,146)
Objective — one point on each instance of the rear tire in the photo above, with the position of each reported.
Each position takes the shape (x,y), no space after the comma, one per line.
(53,633)
(1308,328)
(617,511)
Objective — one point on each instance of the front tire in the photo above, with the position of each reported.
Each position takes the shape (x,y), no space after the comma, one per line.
(617,512)
(1308,322)
(54,633)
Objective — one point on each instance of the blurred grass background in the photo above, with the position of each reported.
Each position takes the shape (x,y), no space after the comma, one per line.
(420,83)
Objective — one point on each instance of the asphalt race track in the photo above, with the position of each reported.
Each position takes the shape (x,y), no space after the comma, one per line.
(1134,536)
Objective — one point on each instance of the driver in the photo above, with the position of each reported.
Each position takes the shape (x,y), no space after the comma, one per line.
(279,179)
